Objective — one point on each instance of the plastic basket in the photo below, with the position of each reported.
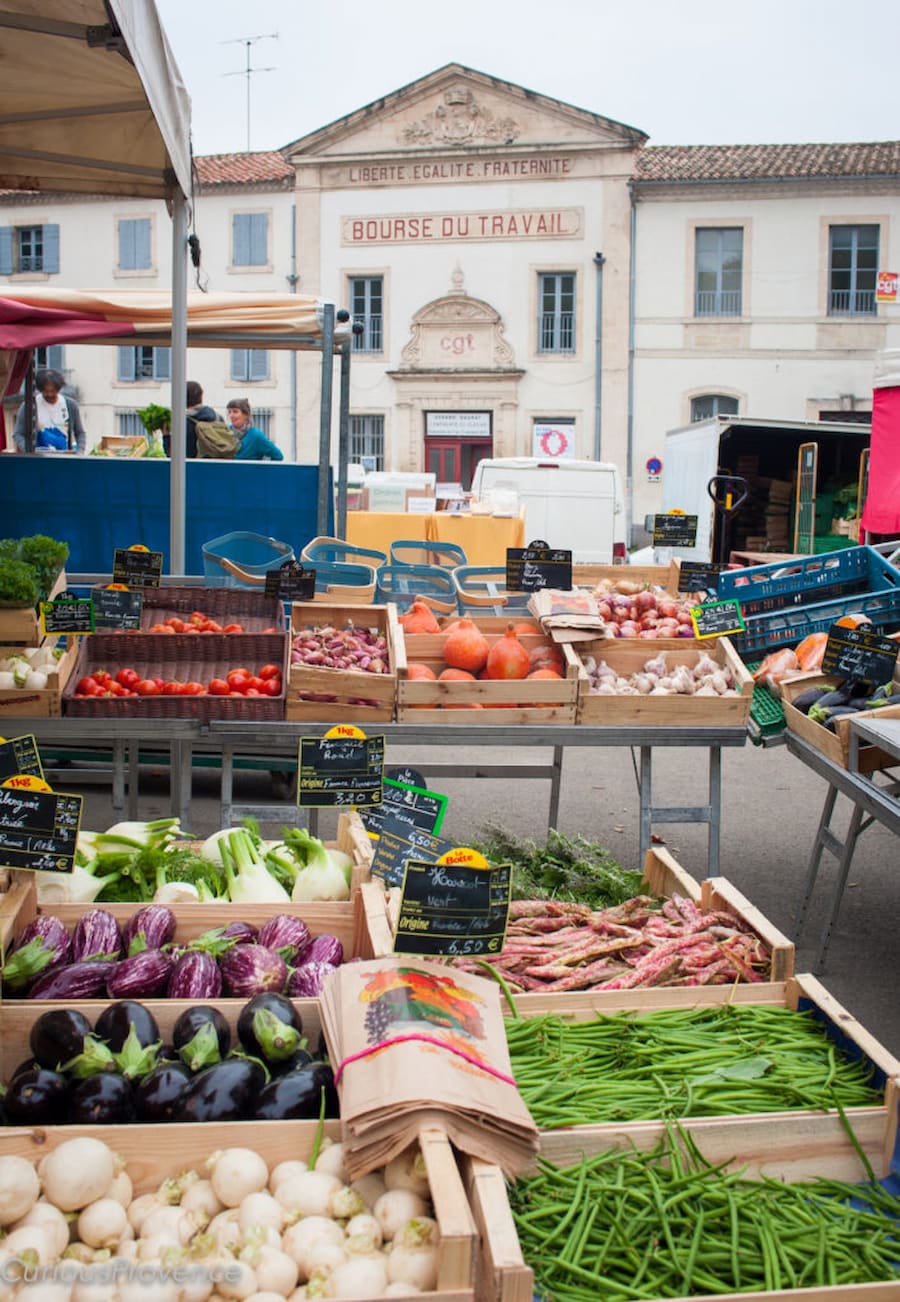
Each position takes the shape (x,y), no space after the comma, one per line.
(242,560)
(482,589)
(345,584)
(416,551)
(328,551)
(404,584)
(766,709)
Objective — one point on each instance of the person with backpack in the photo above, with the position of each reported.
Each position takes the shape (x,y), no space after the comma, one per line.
(57,420)
(196,410)
(254,446)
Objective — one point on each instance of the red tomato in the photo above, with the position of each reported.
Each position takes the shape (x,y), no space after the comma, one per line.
(252,691)
(270,671)
(238,679)
(171,688)
(198,617)
(116,689)
(218,687)
(235,628)
(271,630)
(256,683)
(271,687)
(150,687)
(193,689)
(127,677)
(176,623)
(103,677)
(158,681)
(212,626)
(85,686)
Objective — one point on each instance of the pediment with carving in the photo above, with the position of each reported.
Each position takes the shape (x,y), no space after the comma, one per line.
(457,332)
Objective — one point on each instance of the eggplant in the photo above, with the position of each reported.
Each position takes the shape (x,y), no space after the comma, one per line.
(225,1092)
(806,700)
(57,1036)
(115,1023)
(159,1096)
(27,1064)
(299,1058)
(249,970)
(38,1098)
(201,1037)
(141,976)
(285,934)
(243,932)
(195,976)
(837,696)
(325,1079)
(269,1027)
(298,1095)
(96,938)
(92,1059)
(835,713)
(149,928)
(323,949)
(43,944)
(72,982)
(102,1101)
(307,980)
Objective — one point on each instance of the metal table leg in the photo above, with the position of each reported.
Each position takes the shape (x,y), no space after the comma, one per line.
(134,769)
(822,836)
(715,810)
(858,824)
(227,788)
(118,779)
(711,813)
(555,786)
(180,760)
(646,814)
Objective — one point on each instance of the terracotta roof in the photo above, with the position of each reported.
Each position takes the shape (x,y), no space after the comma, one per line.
(267,166)
(766,162)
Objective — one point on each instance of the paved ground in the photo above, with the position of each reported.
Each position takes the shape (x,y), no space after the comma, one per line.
(772,804)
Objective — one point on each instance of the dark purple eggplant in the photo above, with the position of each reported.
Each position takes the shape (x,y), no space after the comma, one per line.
(225,1092)
(299,1058)
(201,1036)
(115,1023)
(243,932)
(72,982)
(92,1059)
(57,1036)
(159,1096)
(43,944)
(142,976)
(105,1100)
(96,938)
(38,1098)
(324,1077)
(195,976)
(809,698)
(322,949)
(149,928)
(285,934)
(269,1027)
(298,1095)
(27,1064)
(249,970)
(308,979)
(835,712)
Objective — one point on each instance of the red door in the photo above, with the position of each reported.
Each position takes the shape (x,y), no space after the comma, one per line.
(453,460)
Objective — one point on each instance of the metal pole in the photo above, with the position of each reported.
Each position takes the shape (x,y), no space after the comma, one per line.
(177,475)
(343,440)
(629,453)
(598,354)
(30,431)
(292,279)
(325,418)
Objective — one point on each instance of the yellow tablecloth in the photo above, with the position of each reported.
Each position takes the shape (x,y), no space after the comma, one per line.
(484,538)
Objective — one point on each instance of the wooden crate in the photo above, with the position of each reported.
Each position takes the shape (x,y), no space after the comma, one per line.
(43,703)
(501,1274)
(542,701)
(345,685)
(21,625)
(123,445)
(153,1153)
(628,655)
(835,745)
(650,576)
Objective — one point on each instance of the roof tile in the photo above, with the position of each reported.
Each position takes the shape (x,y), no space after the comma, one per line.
(243,169)
(700,163)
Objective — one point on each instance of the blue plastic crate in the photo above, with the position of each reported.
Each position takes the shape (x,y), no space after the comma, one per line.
(808,580)
(404,584)
(242,560)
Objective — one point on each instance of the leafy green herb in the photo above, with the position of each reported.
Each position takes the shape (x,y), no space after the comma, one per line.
(18,584)
(566,868)
(47,555)
(154,417)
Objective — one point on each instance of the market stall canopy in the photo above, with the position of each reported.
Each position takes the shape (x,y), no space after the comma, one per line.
(94,102)
(881,513)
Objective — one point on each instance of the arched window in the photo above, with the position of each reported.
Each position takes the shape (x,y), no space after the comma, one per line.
(713,404)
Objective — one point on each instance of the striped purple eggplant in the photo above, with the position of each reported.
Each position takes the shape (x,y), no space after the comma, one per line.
(240,931)
(96,938)
(141,976)
(249,970)
(43,943)
(286,935)
(149,928)
(72,982)
(195,976)
(323,949)
(307,981)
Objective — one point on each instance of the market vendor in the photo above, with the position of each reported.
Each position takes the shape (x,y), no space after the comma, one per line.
(57,420)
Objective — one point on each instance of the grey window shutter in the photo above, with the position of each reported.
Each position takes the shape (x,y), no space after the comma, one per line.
(241,239)
(126,363)
(238,362)
(126,246)
(51,247)
(142,244)
(55,357)
(259,238)
(6,250)
(162,364)
(259,363)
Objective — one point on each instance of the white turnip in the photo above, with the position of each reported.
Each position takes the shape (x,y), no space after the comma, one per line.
(19,1188)
(78,1172)
(395,1208)
(102,1224)
(235,1173)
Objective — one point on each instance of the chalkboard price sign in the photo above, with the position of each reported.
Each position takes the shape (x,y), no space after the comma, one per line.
(137,568)
(453,908)
(528,569)
(717,619)
(38,830)
(291,582)
(699,576)
(343,771)
(20,756)
(117,608)
(67,615)
(674,530)
(400,841)
(416,806)
(860,653)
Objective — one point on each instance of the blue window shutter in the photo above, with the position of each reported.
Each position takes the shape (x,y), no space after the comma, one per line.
(162,365)
(259,363)
(126,246)
(259,239)
(126,363)
(238,364)
(241,239)
(51,247)
(6,250)
(142,244)
(55,357)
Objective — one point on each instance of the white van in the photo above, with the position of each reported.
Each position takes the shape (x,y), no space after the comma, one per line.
(571,504)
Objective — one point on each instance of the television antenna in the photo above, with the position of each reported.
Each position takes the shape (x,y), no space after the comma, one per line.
(248,71)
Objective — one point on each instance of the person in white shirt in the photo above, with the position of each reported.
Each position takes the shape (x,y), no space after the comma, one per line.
(57,420)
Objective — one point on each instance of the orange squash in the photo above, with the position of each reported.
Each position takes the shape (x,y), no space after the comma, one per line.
(544,673)
(525,630)
(853,621)
(456,675)
(417,672)
(418,619)
(508,658)
(546,656)
(466,647)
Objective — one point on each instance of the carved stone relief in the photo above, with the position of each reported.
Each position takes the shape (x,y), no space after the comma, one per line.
(459,120)
(457,332)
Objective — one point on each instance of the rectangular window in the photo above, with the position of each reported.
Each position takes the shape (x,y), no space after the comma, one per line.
(51,356)
(367,308)
(367,439)
(128,424)
(249,365)
(144,363)
(28,249)
(719,269)
(713,404)
(556,312)
(852,270)
(134,244)
(262,418)
(250,239)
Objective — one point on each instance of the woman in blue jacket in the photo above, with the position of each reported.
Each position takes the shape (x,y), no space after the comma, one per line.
(254,445)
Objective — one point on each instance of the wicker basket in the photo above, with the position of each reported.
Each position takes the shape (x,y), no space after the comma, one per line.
(254,610)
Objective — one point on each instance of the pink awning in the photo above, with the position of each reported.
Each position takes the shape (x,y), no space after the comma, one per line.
(881,513)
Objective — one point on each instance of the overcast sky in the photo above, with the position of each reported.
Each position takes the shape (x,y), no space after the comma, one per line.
(684,71)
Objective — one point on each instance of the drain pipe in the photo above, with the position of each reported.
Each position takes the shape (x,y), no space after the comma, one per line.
(629,453)
(293,280)
(598,354)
